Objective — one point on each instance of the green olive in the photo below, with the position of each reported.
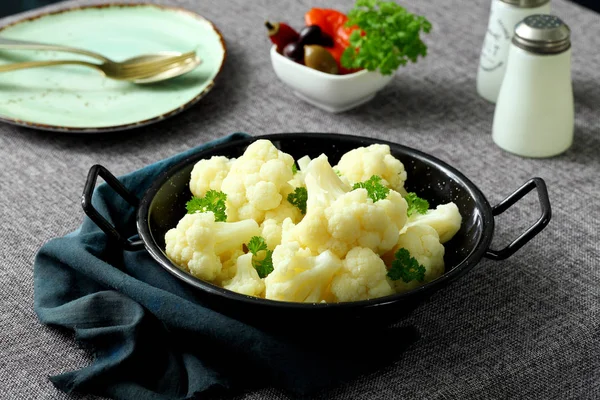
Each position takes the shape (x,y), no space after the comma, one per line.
(317,57)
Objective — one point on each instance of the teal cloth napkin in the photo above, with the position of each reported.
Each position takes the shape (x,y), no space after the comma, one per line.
(151,337)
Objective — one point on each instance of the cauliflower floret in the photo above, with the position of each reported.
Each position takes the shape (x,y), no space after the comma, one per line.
(362,277)
(209,174)
(228,262)
(298,179)
(299,276)
(246,280)
(338,219)
(288,231)
(257,181)
(303,162)
(445,219)
(423,244)
(354,220)
(285,209)
(271,230)
(197,243)
(272,225)
(361,163)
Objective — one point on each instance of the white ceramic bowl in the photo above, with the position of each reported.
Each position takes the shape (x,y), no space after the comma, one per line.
(333,93)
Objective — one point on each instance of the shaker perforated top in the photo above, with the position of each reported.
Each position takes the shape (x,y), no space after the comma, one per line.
(542,34)
(526,3)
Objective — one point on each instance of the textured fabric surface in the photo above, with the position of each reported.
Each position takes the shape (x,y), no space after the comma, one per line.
(526,327)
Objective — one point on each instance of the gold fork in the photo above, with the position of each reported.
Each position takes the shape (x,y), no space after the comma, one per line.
(108,64)
(141,69)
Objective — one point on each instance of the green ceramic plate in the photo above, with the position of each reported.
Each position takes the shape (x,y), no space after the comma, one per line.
(80,99)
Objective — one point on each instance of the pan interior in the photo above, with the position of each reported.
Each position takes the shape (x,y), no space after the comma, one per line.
(426,177)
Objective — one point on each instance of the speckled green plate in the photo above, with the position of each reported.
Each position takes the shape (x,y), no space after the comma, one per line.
(80,99)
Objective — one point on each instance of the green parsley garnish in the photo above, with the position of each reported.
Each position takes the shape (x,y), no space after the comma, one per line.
(374,188)
(298,198)
(212,201)
(389,37)
(416,204)
(406,267)
(263,263)
(294,169)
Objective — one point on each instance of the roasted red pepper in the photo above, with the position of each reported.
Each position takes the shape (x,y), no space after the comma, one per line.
(281,34)
(327,19)
(333,23)
(342,35)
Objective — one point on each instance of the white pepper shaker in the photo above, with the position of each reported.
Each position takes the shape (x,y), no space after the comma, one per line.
(534,115)
(504,15)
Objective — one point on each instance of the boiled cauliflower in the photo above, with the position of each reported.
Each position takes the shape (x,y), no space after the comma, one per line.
(445,219)
(423,244)
(209,175)
(361,163)
(300,276)
(198,242)
(246,280)
(362,277)
(271,227)
(298,179)
(338,219)
(257,181)
(271,230)
(228,265)
(327,243)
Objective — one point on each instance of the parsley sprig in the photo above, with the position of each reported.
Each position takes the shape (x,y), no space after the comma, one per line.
(406,267)
(374,188)
(298,198)
(389,36)
(416,204)
(262,257)
(212,201)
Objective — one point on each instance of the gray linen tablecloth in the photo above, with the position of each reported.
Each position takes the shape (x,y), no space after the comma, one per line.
(527,327)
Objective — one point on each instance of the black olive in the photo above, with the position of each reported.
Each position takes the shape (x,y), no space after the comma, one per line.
(294,51)
(310,35)
(326,40)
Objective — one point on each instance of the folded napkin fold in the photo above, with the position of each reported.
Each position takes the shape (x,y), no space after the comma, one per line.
(152,338)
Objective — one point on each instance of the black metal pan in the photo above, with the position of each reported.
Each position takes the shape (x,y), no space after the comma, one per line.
(163,205)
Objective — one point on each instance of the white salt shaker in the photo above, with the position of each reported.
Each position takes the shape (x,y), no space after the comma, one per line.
(504,15)
(534,115)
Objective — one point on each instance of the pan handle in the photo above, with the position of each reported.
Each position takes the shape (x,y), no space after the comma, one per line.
(540,185)
(88,208)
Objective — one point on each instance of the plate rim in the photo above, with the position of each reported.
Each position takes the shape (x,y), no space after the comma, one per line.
(132,125)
